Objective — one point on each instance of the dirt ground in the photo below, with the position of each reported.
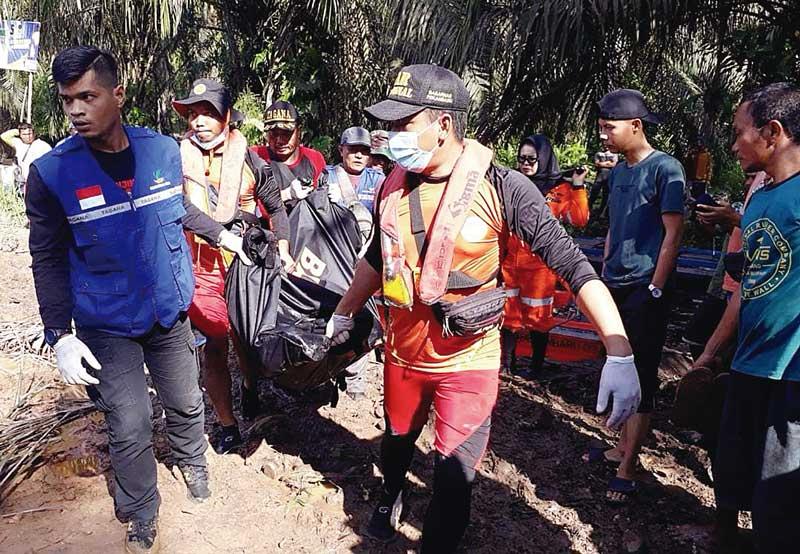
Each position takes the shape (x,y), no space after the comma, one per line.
(320,478)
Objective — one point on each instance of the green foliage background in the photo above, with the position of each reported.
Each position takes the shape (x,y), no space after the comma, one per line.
(530,65)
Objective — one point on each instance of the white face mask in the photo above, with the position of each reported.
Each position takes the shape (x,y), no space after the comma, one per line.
(213,143)
(404,149)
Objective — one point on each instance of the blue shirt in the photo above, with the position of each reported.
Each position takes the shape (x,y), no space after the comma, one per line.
(769,319)
(368,183)
(638,195)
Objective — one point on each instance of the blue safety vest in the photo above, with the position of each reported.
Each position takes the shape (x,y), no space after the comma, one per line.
(368,184)
(129,261)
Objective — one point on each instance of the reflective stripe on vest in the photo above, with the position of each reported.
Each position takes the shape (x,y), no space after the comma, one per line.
(157,197)
(536,302)
(125,206)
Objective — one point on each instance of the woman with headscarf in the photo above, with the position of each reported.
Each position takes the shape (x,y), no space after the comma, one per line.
(530,283)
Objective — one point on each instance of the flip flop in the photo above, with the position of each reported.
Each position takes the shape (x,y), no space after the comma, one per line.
(626,487)
(597,455)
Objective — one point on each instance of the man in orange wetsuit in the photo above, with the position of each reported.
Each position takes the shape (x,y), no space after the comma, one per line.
(443,218)
(225,180)
(529,282)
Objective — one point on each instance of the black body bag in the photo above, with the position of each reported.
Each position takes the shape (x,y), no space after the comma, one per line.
(290,343)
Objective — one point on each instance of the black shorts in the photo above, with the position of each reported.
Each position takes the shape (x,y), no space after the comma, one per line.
(757,465)
(645,321)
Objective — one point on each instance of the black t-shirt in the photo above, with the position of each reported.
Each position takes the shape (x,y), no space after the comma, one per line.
(120,166)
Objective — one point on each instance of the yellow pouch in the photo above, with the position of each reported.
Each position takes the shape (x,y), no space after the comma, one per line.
(397,285)
(227,257)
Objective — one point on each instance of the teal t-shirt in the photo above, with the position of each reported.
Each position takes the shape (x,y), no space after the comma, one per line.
(638,195)
(769,319)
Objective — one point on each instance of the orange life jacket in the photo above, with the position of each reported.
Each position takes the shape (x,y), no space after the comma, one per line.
(436,272)
(231,187)
(415,335)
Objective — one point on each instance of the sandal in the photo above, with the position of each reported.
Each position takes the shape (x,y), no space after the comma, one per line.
(597,455)
(626,487)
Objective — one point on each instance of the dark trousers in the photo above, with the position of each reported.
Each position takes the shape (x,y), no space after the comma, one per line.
(645,321)
(508,357)
(448,513)
(599,189)
(122,396)
(757,464)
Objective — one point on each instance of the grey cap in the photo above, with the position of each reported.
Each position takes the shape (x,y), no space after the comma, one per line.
(355,136)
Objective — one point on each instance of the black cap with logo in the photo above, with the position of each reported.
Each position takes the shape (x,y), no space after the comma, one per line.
(281,115)
(422,86)
(207,90)
(624,104)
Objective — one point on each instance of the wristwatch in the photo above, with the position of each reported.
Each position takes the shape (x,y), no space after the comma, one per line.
(654,290)
(52,335)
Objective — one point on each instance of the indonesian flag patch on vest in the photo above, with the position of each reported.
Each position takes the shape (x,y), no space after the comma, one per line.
(90,197)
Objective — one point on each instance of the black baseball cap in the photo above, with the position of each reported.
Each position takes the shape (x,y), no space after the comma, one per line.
(421,86)
(355,136)
(625,103)
(211,91)
(281,115)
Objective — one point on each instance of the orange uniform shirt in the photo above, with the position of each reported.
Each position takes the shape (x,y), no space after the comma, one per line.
(414,337)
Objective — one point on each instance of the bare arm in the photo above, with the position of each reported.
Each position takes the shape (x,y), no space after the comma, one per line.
(595,301)
(722,215)
(9,136)
(667,257)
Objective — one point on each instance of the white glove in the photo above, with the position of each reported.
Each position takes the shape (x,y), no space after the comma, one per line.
(338,328)
(233,243)
(334,193)
(70,353)
(299,190)
(619,380)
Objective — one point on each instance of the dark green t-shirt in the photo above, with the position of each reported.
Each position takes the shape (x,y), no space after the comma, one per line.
(638,195)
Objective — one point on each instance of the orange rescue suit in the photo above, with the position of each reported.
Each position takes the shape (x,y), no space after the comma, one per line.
(530,283)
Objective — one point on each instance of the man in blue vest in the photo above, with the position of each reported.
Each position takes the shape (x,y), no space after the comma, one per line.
(107,215)
(354,178)
(352,184)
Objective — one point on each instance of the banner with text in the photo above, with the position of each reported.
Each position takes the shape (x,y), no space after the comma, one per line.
(19,45)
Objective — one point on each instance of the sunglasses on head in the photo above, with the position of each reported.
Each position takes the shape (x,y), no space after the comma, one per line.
(527,159)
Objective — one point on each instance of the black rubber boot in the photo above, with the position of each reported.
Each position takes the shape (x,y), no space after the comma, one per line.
(508,356)
(539,349)
(385,519)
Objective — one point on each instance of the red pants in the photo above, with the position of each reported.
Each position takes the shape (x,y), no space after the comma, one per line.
(209,312)
(462,401)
